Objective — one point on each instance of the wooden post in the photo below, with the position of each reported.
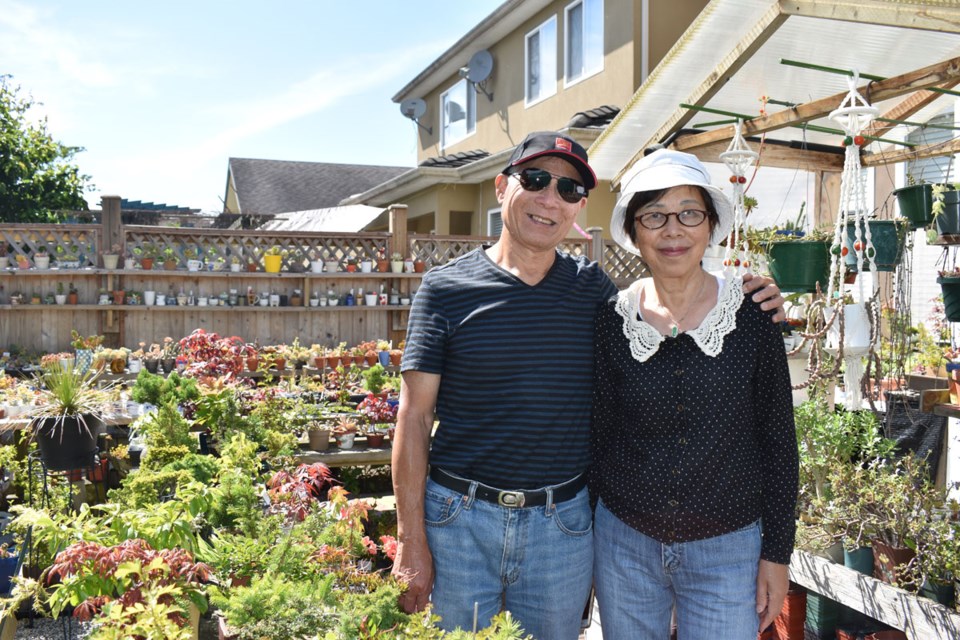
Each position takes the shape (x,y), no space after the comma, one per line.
(398,230)
(111,222)
(596,245)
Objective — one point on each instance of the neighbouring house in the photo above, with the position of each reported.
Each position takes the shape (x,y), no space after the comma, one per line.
(258,187)
(530,65)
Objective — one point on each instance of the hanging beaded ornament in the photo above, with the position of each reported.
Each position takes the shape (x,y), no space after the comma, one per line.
(739,158)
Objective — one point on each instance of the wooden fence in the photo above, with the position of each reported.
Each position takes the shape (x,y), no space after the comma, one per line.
(34,317)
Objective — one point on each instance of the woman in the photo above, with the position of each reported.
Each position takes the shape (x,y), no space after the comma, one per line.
(694,452)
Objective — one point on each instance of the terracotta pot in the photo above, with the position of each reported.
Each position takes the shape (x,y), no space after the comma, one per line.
(170,265)
(419,266)
(351,268)
(251,267)
(72,298)
(793,615)
(375,440)
(395,359)
(146,263)
(371,358)
(383,266)
(253,363)
(320,362)
(346,361)
(280,363)
(118,297)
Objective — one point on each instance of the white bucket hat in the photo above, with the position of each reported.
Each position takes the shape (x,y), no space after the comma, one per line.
(663,169)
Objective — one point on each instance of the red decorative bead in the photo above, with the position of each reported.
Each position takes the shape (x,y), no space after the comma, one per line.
(742,179)
(857,246)
(733,179)
(844,251)
(736,262)
(858,140)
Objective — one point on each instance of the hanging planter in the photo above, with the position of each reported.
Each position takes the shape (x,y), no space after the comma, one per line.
(948,220)
(950,287)
(916,202)
(799,265)
(67,442)
(888,237)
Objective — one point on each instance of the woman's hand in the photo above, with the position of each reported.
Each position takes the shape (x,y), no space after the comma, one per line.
(773,580)
(767,294)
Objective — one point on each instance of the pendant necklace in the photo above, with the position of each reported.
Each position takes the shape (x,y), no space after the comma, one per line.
(675,322)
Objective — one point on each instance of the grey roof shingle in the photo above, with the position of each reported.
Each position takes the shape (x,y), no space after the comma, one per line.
(279,186)
(455,159)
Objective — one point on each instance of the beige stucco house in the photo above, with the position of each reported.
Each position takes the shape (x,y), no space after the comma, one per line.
(550,64)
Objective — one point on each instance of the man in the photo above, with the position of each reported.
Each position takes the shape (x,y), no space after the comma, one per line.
(500,347)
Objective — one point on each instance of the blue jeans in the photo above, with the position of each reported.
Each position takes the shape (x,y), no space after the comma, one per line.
(712,583)
(535,562)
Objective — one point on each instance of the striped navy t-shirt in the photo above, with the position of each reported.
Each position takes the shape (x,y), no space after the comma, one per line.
(516,367)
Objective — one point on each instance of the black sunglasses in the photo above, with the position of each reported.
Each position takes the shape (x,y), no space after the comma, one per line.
(538,180)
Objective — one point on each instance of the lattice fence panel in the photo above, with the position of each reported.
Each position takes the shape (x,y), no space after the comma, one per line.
(74,242)
(436,250)
(249,247)
(621,265)
(576,247)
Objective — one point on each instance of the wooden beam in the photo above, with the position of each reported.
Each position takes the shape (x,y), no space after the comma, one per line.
(778,155)
(915,15)
(916,153)
(919,618)
(903,110)
(930,76)
(741,53)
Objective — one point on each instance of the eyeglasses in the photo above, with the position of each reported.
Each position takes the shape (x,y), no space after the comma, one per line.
(538,180)
(656,219)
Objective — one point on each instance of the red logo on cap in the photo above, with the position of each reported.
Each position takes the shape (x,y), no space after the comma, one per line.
(563,144)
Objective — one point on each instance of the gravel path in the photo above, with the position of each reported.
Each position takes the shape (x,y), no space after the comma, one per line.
(47,629)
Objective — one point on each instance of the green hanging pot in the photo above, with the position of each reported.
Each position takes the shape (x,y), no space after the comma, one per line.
(916,203)
(888,237)
(951,297)
(799,265)
(948,220)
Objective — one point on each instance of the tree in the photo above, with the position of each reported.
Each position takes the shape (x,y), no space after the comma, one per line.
(37,180)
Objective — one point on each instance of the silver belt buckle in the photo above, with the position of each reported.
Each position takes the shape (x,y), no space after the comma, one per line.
(511,499)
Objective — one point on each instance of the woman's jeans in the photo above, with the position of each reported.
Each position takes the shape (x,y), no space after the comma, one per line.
(712,583)
(535,562)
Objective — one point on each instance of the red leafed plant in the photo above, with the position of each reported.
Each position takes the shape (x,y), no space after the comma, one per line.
(207,354)
(377,410)
(92,575)
(295,493)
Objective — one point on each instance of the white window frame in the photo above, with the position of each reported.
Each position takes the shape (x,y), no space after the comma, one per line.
(547,67)
(591,46)
(491,214)
(470,115)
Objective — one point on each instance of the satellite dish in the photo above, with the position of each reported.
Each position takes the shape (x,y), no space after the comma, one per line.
(480,66)
(478,70)
(414,108)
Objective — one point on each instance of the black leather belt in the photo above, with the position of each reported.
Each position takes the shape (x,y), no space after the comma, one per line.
(513,499)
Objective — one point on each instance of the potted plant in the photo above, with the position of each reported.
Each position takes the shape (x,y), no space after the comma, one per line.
(888,237)
(61,295)
(916,202)
(396,262)
(331,266)
(112,257)
(192,256)
(41,258)
(383,265)
(4,258)
(273,259)
(366,265)
(65,422)
(945,208)
(345,431)
(351,265)
(419,266)
(68,257)
(72,295)
(170,258)
(235,263)
(797,260)
(23,262)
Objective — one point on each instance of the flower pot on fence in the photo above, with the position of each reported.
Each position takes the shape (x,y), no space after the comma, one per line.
(948,220)
(790,622)
(888,238)
(799,265)
(938,592)
(860,559)
(110,260)
(65,443)
(950,287)
(272,263)
(375,440)
(887,561)
(915,204)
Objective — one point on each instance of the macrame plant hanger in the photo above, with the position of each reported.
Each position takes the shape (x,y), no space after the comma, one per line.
(739,158)
(859,320)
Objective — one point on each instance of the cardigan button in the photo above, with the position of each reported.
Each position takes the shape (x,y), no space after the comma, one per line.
(678,372)
(673,503)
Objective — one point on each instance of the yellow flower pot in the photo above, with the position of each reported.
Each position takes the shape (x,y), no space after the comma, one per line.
(272,263)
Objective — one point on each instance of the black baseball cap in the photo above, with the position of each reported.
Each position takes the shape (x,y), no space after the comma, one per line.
(552,143)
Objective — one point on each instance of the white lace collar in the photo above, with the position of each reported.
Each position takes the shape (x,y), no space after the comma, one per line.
(721,320)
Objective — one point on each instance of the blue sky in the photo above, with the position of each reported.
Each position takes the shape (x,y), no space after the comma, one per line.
(161,94)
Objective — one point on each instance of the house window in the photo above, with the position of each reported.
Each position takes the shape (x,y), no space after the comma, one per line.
(583,40)
(932,170)
(494,222)
(458,106)
(541,62)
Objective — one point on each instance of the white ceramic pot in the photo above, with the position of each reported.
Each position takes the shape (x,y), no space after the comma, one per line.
(110,260)
(370,299)
(396,266)
(331,266)
(194,265)
(346,440)
(201,301)
(235,267)
(316,266)
(133,365)
(41,262)
(366,266)
(161,299)
(60,298)
(149,298)
(4,262)
(404,302)
(314,302)
(129,263)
